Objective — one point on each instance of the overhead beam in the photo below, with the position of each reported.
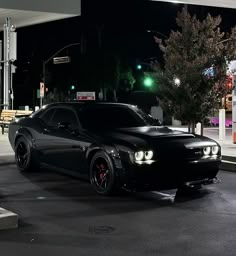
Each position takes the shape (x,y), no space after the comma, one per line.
(215,3)
(59,6)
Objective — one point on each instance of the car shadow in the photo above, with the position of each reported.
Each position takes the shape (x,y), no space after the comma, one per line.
(65,186)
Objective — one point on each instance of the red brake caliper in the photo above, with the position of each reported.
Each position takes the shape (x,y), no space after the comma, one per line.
(102,168)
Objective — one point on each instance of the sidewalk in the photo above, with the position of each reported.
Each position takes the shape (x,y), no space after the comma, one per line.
(6,152)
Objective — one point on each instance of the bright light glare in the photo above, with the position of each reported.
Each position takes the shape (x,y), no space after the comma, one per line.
(177,81)
(148,155)
(148,82)
(139,155)
(215,150)
(207,151)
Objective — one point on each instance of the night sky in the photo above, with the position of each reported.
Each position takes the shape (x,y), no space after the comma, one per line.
(129,20)
(123,26)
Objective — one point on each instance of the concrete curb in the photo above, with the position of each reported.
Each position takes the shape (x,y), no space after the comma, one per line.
(8,220)
(7,159)
(228,163)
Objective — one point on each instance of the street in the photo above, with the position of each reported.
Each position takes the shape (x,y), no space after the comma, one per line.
(60,215)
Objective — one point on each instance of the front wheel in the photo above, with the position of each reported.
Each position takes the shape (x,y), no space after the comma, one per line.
(23,155)
(102,174)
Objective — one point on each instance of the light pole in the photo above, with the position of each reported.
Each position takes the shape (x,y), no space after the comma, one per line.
(50,58)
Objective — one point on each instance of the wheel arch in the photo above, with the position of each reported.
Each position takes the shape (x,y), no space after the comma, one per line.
(111,151)
(25,134)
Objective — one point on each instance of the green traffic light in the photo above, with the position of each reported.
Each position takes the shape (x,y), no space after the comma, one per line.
(148,82)
(72,87)
(139,67)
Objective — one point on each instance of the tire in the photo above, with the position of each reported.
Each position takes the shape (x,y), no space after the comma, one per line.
(102,174)
(24,157)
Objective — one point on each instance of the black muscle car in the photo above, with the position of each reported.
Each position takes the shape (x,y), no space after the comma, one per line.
(114,146)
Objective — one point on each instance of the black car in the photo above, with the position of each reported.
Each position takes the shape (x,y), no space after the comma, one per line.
(114,146)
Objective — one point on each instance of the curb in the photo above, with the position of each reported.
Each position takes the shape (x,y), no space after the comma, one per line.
(228,163)
(8,220)
(7,159)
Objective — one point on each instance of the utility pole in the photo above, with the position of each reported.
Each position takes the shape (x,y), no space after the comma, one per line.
(9,56)
(6,56)
(1,87)
(45,62)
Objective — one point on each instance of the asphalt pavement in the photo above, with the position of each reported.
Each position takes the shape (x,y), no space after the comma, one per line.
(60,215)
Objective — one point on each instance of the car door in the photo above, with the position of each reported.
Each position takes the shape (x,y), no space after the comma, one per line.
(63,144)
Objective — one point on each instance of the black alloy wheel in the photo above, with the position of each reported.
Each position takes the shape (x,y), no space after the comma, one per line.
(102,174)
(23,155)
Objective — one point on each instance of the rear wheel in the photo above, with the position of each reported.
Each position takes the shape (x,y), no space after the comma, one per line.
(102,174)
(24,156)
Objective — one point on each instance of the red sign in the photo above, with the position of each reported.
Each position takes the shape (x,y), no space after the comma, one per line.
(85,96)
(41,90)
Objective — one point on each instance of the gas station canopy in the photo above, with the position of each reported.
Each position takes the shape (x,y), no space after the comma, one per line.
(28,12)
(216,3)
(15,14)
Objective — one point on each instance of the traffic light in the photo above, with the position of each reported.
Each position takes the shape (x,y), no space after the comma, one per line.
(72,87)
(230,80)
(148,82)
(139,67)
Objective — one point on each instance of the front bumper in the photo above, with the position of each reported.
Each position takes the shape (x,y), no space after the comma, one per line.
(169,174)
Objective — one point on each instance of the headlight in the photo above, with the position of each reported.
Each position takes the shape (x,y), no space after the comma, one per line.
(148,155)
(139,155)
(207,151)
(215,150)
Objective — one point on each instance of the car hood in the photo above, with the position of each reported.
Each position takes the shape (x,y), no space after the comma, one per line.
(154,136)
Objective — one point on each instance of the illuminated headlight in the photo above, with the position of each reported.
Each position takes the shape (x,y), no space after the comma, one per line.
(148,155)
(215,150)
(207,151)
(139,155)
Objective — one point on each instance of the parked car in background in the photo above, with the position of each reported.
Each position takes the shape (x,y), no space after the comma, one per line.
(114,146)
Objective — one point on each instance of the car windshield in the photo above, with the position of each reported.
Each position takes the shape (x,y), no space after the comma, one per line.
(113,116)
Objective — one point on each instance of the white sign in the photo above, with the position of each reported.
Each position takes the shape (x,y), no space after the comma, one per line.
(60,60)
(85,96)
(41,90)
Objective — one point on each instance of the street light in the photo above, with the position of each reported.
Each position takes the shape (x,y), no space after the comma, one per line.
(177,81)
(50,58)
(156,32)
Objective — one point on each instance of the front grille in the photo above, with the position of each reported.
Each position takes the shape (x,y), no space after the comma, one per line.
(194,153)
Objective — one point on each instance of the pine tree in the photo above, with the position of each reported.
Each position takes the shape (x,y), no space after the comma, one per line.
(195,67)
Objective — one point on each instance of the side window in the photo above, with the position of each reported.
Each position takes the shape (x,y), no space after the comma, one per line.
(47,116)
(65,116)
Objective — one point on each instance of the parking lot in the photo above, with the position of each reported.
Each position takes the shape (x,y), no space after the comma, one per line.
(60,215)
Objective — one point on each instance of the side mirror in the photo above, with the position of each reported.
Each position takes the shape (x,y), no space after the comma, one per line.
(155,121)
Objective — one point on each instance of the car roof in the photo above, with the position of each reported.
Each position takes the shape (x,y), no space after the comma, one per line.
(75,105)
(86,104)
